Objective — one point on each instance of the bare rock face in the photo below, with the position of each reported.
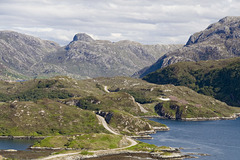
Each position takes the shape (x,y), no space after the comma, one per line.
(220,40)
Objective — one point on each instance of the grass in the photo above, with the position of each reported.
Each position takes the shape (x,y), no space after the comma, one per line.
(40,100)
(56,142)
(155,124)
(210,107)
(127,124)
(68,108)
(141,146)
(219,79)
(46,117)
(90,141)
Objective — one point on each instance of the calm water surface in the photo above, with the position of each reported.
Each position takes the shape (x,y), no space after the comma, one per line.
(17,144)
(220,139)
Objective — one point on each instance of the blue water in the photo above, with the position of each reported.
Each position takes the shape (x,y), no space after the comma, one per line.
(220,139)
(17,144)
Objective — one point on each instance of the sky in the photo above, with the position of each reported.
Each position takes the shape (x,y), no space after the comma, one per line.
(144,21)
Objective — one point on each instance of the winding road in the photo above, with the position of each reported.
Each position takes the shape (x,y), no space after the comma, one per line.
(106,89)
(105,125)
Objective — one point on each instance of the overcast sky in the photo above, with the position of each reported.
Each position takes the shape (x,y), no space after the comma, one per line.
(145,21)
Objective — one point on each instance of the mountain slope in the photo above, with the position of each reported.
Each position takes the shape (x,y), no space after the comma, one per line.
(87,57)
(63,105)
(45,117)
(220,40)
(84,57)
(219,79)
(8,74)
(169,101)
(21,52)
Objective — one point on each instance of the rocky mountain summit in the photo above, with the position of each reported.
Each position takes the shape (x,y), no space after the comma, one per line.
(83,37)
(220,40)
(25,56)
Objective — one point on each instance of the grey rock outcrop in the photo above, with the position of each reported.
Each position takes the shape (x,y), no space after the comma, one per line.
(175,108)
(106,115)
(220,40)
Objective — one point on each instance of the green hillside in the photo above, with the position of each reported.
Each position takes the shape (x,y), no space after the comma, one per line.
(219,79)
(90,141)
(169,101)
(45,117)
(65,106)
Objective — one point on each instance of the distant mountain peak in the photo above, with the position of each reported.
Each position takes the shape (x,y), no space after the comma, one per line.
(229,19)
(83,37)
(225,28)
(220,40)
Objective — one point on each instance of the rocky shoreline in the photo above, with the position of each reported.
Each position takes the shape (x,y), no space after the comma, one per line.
(234,116)
(124,154)
(101,155)
(138,154)
(146,134)
(51,148)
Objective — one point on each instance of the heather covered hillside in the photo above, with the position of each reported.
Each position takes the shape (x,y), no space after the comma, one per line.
(66,106)
(219,79)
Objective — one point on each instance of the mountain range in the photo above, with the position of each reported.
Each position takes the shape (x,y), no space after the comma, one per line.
(220,40)
(27,57)
(69,109)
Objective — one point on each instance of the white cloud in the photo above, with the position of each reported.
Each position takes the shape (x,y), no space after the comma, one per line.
(146,21)
(116,35)
(34,29)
